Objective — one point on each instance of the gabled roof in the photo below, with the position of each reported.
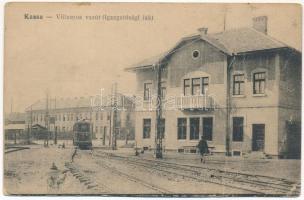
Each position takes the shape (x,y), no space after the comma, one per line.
(230,42)
(245,40)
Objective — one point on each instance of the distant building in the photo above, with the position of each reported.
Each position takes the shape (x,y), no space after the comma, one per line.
(63,113)
(240,89)
(14,126)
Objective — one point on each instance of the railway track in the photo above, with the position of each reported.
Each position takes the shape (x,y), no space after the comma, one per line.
(129,177)
(14,149)
(104,188)
(86,181)
(253,184)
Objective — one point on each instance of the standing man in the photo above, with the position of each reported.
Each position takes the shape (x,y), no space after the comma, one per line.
(203,148)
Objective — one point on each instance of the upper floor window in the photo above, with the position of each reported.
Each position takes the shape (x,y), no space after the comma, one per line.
(198,86)
(97,114)
(187,87)
(147,91)
(205,84)
(238,84)
(195,54)
(259,80)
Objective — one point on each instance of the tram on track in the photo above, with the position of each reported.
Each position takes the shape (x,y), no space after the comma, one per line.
(82,137)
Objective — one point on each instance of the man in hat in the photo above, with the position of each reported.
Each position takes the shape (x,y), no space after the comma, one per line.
(203,148)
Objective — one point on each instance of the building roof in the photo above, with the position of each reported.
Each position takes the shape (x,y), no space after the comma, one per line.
(80,102)
(245,40)
(15,117)
(230,42)
(14,127)
(61,103)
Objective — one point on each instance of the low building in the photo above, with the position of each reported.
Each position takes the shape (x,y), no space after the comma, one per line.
(240,89)
(62,113)
(14,127)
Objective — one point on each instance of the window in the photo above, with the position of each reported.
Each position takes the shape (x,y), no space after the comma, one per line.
(162,127)
(181,128)
(101,116)
(205,84)
(163,89)
(238,84)
(196,86)
(238,128)
(195,54)
(96,129)
(96,115)
(194,128)
(147,91)
(146,128)
(259,83)
(63,118)
(208,128)
(187,87)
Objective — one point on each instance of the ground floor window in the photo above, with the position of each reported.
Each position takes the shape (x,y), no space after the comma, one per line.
(181,128)
(207,128)
(194,128)
(238,128)
(162,127)
(146,128)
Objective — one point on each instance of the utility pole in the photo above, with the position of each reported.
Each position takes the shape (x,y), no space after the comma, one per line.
(158,137)
(30,128)
(55,127)
(47,118)
(12,105)
(114,108)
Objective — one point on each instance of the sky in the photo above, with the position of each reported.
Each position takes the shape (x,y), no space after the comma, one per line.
(73,58)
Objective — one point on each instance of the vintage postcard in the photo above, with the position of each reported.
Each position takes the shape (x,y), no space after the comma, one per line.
(152,99)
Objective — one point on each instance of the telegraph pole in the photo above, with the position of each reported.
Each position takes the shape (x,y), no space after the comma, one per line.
(55,127)
(158,138)
(31,124)
(47,118)
(114,108)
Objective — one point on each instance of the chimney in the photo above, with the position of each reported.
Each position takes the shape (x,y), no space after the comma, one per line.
(260,24)
(203,30)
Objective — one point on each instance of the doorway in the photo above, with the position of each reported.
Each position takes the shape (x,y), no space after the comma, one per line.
(258,137)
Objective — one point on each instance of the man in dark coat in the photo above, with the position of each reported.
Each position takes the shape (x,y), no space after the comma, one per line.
(203,148)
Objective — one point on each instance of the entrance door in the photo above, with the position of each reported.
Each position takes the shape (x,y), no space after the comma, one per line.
(258,137)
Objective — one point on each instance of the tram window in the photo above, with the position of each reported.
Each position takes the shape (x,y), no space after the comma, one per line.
(83,127)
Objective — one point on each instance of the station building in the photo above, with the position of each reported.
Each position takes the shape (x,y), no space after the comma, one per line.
(240,89)
(64,112)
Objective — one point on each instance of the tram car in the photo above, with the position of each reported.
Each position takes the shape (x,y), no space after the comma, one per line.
(82,137)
